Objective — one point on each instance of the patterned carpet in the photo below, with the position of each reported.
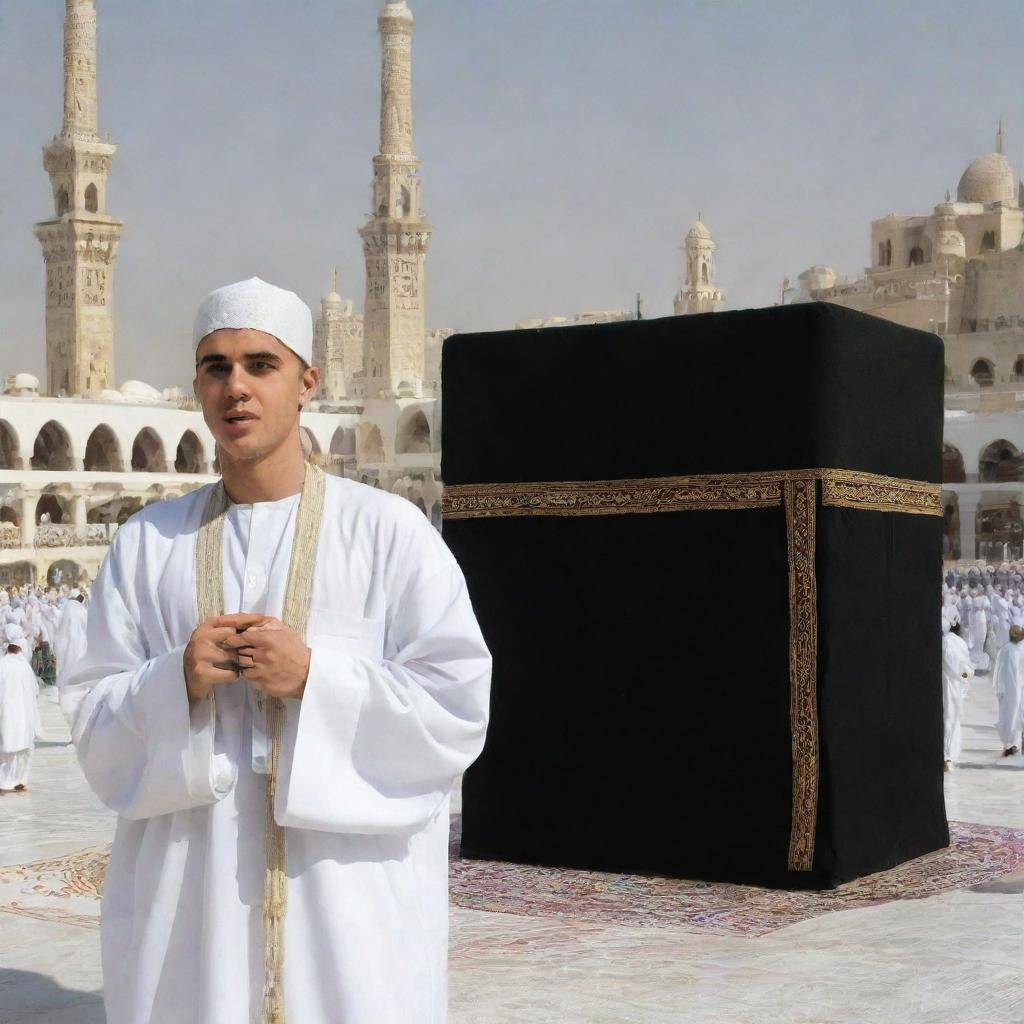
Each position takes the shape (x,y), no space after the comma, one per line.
(66,889)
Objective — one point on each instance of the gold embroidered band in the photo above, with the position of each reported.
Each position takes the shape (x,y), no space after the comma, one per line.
(295,614)
(796,491)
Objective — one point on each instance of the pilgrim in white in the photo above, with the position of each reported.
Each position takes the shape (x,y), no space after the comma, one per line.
(20,724)
(283,679)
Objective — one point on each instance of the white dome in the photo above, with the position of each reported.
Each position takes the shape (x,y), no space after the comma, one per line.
(26,381)
(990,179)
(698,230)
(139,391)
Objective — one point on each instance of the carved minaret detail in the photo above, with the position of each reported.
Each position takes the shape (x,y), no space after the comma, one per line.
(80,241)
(700,292)
(395,237)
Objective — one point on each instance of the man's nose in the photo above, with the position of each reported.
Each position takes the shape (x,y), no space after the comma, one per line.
(238,384)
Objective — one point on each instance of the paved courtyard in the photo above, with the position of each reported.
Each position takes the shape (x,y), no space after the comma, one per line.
(956,957)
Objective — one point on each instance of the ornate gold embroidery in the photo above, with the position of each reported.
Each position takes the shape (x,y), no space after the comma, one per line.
(801,511)
(849,489)
(210,602)
(796,490)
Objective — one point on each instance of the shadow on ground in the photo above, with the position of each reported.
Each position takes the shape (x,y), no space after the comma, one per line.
(26,996)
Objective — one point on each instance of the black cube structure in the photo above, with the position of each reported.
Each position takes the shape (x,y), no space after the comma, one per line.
(705,554)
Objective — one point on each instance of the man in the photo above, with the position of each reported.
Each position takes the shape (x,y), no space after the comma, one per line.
(957,671)
(20,724)
(69,642)
(1007,681)
(282,769)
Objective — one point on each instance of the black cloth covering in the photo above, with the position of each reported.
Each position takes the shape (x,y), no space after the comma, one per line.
(640,716)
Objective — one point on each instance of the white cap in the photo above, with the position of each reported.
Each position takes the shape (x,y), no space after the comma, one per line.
(13,633)
(260,307)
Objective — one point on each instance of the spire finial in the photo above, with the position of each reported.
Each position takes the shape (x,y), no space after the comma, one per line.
(948,197)
(334,279)
(999,137)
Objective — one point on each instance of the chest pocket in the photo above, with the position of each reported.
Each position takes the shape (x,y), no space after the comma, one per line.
(353,632)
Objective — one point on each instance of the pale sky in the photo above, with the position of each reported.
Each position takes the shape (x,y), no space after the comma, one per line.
(566,147)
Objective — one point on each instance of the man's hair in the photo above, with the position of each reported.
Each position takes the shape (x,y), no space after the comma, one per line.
(955,629)
(13,649)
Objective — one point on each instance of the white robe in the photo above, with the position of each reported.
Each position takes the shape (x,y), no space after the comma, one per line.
(394,710)
(1007,682)
(957,671)
(20,723)
(69,642)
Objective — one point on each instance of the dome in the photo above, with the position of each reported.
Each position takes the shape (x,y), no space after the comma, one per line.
(332,299)
(138,391)
(26,382)
(699,230)
(990,179)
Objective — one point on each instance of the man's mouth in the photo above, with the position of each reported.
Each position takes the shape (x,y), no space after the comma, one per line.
(238,417)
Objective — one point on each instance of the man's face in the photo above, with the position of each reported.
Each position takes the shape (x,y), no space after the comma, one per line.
(251,388)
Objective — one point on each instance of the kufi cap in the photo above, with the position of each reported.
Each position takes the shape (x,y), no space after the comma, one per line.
(13,633)
(259,306)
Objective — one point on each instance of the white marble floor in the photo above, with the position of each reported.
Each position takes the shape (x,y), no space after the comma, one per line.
(957,958)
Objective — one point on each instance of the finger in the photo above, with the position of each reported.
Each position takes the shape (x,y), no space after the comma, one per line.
(236,620)
(217,676)
(234,641)
(266,626)
(218,634)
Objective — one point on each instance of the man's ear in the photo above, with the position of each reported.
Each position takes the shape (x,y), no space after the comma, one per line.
(310,381)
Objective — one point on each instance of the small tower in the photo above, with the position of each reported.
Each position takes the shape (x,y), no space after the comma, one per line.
(80,241)
(700,293)
(396,236)
(337,344)
(947,238)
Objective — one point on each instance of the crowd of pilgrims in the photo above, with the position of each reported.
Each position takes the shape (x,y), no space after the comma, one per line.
(982,630)
(43,634)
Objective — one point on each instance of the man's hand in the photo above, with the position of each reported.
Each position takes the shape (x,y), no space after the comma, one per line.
(271,657)
(207,660)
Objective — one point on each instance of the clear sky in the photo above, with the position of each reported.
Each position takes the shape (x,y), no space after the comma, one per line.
(566,147)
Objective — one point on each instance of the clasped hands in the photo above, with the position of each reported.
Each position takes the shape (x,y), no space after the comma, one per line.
(257,648)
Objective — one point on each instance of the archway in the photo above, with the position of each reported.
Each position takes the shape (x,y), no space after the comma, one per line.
(951,527)
(148,452)
(52,449)
(310,446)
(17,574)
(343,451)
(92,201)
(916,256)
(952,465)
(1018,367)
(413,434)
(189,457)
(51,506)
(70,573)
(9,457)
(983,373)
(1000,462)
(102,450)
(1000,532)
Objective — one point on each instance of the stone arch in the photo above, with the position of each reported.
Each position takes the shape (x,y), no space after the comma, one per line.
(916,257)
(17,574)
(1000,462)
(92,198)
(988,242)
(63,201)
(999,529)
(1018,367)
(952,465)
(52,449)
(343,451)
(369,443)
(51,504)
(704,272)
(983,372)
(310,445)
(9,447)
(148,452)
(413,434)
(71,572)
(951,526)
(103,451)
(8,514)
(189,457)
(887,253)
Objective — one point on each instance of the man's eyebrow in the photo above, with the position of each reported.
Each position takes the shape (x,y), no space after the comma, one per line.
(217,357)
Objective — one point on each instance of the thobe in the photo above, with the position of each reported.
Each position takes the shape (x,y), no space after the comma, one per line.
(1007,681)
(69,643)
(20,724)
(394,710)
(957,670)
(978,633)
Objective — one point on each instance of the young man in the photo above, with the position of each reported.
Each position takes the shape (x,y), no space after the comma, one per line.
(20,724)
(957,672)
(283,679)
(1008,680)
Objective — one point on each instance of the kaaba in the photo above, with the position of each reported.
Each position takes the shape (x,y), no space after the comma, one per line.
(705,553)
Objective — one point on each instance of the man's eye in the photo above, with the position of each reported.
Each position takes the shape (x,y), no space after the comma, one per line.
(262,366)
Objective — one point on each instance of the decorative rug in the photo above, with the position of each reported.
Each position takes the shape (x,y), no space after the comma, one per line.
(66,889)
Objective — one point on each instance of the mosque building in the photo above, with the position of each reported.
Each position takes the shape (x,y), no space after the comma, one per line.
(78,455)
(959,272)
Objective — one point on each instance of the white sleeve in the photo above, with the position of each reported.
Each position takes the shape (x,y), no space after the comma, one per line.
(143,749)
(374,745)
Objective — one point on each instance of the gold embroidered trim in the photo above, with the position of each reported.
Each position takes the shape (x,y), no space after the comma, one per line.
(295,615)
(801,510)
(843,488)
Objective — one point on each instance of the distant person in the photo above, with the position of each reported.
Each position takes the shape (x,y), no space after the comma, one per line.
(957,672)
(20,724)
(69,643)
(1007,682)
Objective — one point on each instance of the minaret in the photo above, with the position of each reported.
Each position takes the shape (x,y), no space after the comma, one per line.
(395,237)
(699,294)
(337,344)
(80,242)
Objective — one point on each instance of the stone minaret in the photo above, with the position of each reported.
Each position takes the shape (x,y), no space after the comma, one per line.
(80,242)
(396,236)
(699,294)
(337,344)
